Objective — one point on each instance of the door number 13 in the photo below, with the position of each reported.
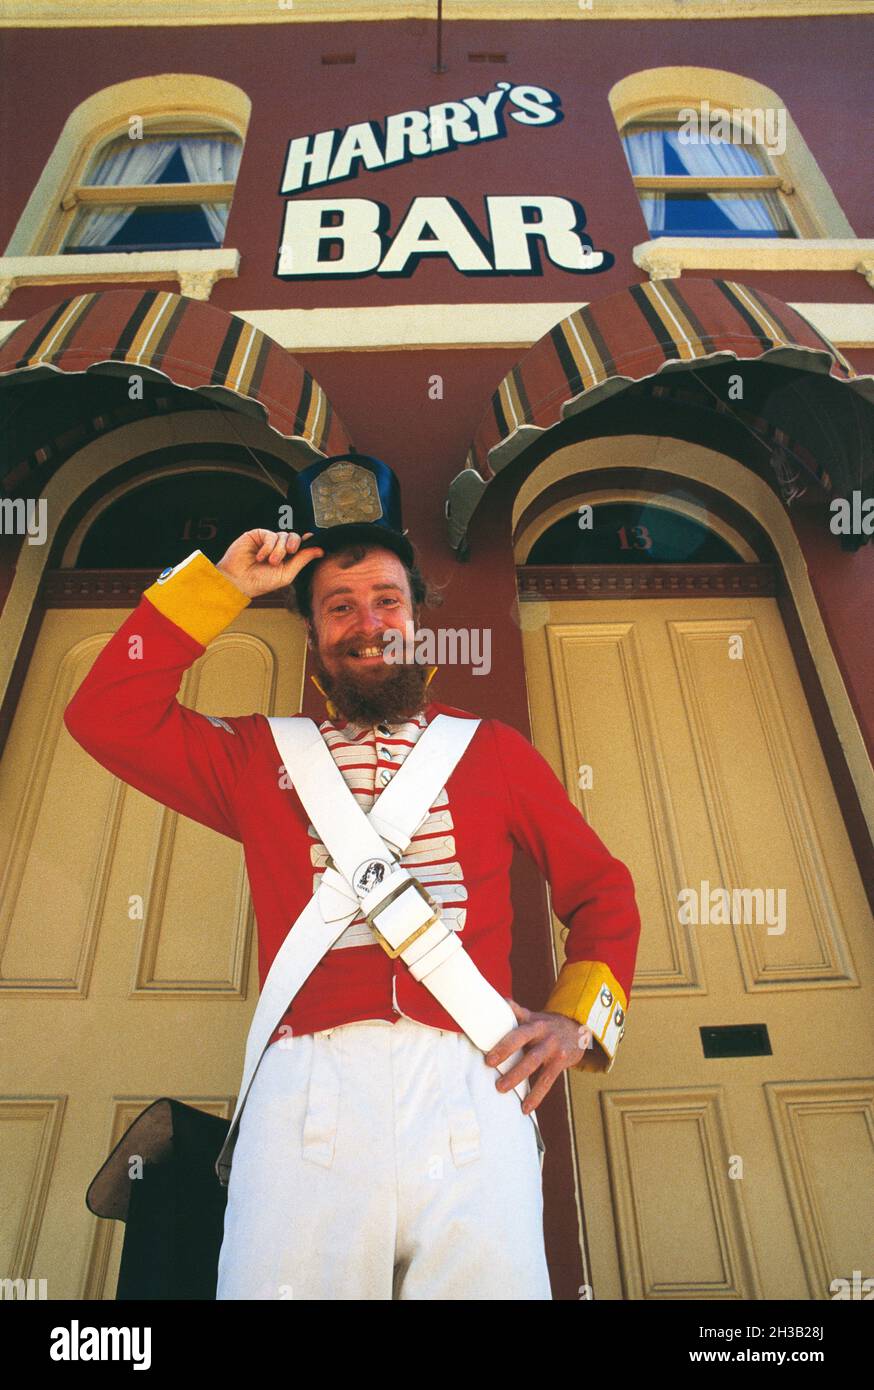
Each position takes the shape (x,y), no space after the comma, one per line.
(642,538)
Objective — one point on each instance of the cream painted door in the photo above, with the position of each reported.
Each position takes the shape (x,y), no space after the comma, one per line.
(716,1177)
(105,1009)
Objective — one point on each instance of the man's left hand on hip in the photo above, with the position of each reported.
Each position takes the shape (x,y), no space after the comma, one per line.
(550,1042)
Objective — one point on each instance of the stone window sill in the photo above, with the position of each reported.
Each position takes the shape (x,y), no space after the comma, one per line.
(667,257)
(195,271)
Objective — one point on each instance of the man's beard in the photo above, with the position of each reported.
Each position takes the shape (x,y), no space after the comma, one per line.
(394,699)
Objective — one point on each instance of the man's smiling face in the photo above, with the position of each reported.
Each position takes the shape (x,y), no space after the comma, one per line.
(355,602)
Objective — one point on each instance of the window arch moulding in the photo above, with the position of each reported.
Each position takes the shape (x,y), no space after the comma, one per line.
(189,103)
(824,238)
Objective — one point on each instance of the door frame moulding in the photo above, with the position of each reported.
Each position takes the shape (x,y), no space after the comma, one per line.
(101,504)
(562,583)
(744,488)
(21,614)
(528,529)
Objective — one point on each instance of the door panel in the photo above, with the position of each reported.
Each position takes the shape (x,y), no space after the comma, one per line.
(128,953)
(710,1177)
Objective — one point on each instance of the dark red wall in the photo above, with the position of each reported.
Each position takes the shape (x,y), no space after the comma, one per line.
(819,67)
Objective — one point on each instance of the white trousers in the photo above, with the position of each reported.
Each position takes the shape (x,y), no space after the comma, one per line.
(379,1161)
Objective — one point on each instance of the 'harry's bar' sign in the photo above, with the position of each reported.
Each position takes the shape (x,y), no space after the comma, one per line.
(350,236)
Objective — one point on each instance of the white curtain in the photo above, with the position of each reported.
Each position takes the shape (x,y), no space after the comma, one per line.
(143,162)
(758,212)
(212,161)
(645,151)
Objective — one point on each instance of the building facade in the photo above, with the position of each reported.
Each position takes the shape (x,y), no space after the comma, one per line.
(597,281)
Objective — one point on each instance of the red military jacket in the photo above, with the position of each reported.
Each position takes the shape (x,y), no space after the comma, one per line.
(226,774)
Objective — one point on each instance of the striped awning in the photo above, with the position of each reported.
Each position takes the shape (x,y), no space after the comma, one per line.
(650,330)
(168,337)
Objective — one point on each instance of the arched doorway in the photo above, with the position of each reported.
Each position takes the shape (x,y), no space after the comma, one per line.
(128,933)
(143,427)
(664,691)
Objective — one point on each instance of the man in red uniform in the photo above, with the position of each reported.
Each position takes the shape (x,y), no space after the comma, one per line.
(379,1154)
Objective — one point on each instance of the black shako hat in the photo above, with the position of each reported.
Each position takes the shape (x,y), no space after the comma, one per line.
(349,499)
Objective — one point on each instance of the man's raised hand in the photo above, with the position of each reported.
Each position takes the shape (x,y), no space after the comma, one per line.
(260,561)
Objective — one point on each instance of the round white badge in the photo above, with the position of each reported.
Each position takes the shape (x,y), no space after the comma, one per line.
(369,875)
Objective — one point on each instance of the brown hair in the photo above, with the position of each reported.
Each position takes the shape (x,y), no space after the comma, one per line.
(299,595)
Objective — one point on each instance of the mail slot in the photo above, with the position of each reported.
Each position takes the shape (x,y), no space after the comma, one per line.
(736,1040)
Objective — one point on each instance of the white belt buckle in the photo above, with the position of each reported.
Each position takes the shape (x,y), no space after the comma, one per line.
(370,918)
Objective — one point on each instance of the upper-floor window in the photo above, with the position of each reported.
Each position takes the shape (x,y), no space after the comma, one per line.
(692,184)
(168,189)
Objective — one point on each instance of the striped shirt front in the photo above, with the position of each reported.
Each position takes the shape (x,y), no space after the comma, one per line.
(368,757)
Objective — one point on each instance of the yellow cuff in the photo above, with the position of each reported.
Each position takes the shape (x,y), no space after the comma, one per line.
(586,990)
(197,597)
